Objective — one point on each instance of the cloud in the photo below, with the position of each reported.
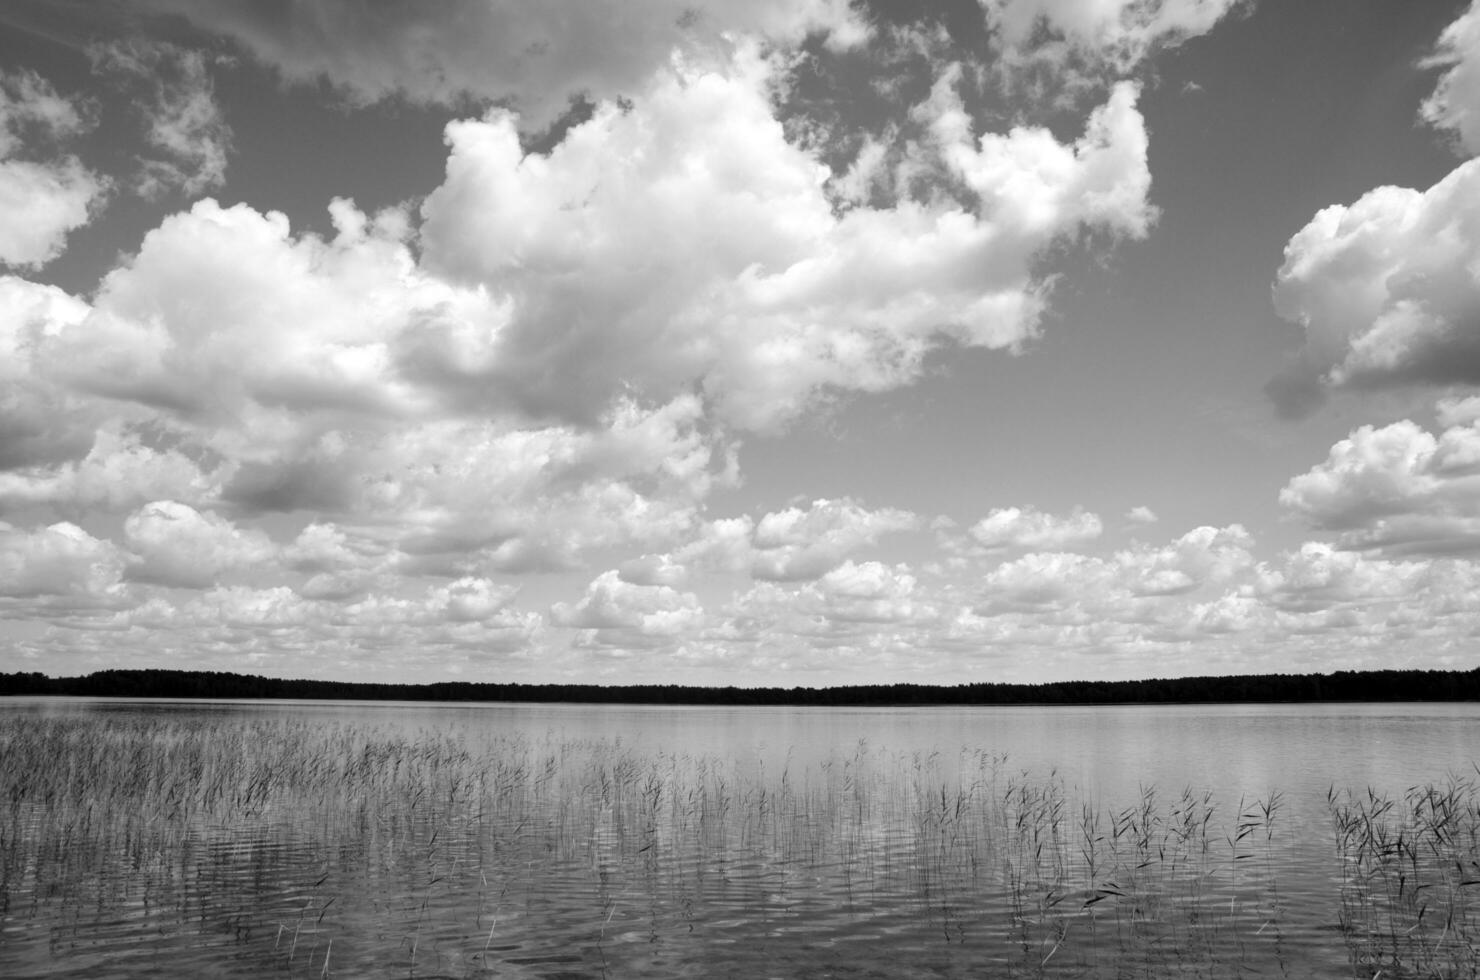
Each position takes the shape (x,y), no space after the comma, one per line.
(1071,46)
(1398,489)
(120,470)
(270,372)
(533,57)
(176,545)
(1122,30)
(1016,527)
(59,560)
(31,110)
(39,421)
(1455,103)
(796,544)
(653,570)
(1318,577)
(340,564)
(619,613)
(856,619)
(467,621)
(1201,557)
(869,592)
(223,317)
(682,240)
(44,198)
(1386,289)
(1141,515)
(472,599)
(1118,587)
(179,106)
(550,367)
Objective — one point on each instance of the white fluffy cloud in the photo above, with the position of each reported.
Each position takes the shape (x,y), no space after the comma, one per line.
(683,239)
(177,545)
(1386,289)
(615,612)
(285,446)
(44,194)
(40,421)
(795,544)
(1398,488)
(286,373)
(545,368)
(1017,527)
(59,560)
(1119,586)
(1455,104)
(225,318)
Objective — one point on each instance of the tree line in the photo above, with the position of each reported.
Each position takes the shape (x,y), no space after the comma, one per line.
(1363,685)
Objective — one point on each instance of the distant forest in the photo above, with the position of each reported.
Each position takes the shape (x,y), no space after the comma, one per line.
(1377,685)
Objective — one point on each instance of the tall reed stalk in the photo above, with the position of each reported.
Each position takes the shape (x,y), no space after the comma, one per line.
(1410,879)
(437,852)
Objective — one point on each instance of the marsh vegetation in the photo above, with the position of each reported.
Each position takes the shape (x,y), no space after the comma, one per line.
(146,845)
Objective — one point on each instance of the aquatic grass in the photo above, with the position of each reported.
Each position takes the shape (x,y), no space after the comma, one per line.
(1410,879)
(438,853)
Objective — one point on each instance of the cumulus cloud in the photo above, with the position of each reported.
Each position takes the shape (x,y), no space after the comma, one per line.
(547,366)
(1016,527)
(1385,289)
(531,56)
(857,618)
(40,422)
(224,317)
(1455,103)
(44,194)
(472,599)
(1398,488)
(795,544)
(870,592)
(1119,586)
(1203,556)
(653,570)
(240,365)
(1319,577)
(120,470)
(177,545)
(60,560)
(619,613)
(184,123)
(682,239)
(552,362)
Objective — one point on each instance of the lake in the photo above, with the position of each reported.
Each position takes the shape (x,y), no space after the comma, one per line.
(145,839)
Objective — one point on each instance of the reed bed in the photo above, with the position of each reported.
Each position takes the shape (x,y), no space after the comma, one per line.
(1410,879)
(330,849)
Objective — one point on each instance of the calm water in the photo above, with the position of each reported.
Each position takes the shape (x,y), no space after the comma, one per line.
(313,839)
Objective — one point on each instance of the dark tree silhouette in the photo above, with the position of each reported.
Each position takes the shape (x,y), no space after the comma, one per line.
(1378,686)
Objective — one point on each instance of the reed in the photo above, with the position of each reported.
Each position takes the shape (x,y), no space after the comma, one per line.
(445,853)
(1410,879)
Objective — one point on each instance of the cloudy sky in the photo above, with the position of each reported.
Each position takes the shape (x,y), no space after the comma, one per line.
(777,342)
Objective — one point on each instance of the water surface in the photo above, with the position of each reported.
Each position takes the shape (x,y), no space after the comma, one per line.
(315,838)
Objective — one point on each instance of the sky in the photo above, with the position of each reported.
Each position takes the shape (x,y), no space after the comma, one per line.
(768,343)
